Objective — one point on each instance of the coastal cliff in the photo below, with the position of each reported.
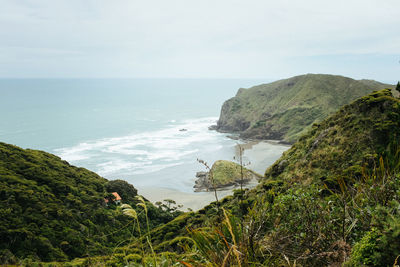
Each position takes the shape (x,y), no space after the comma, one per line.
(286,109)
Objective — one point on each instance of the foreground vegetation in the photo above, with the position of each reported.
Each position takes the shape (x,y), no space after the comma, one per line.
(331,200)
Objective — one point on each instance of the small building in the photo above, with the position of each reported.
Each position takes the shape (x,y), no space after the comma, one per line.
(117,198)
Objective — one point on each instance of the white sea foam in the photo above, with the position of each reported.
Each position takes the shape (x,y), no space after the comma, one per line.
(124,168)
(144,152)
(112,166)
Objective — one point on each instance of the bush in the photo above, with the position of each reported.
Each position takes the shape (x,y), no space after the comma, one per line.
(364,250)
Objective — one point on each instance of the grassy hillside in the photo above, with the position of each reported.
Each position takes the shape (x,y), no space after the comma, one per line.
(333,196)
(331,200)
(50,210)
(285,109)
(344,143)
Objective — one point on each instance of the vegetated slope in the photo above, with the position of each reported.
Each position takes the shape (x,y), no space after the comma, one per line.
(285,109)
(344,143)
(50,210)
(332,198)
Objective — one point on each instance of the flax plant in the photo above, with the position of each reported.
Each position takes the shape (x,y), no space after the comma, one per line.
(242,164)
(142,204)
(130,212)
(219,246)
(211,178)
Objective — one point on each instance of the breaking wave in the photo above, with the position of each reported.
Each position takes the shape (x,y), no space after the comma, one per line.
(143,152)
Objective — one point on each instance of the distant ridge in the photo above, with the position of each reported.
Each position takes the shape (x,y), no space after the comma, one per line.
(285,109)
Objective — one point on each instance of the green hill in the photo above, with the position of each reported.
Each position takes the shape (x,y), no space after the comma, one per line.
(344,143)
(50,210)
(335,194)
(285,109)
(332,199)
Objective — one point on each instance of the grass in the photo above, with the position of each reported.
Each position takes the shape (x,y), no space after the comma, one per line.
(325,151)
(286,108)
(227,173)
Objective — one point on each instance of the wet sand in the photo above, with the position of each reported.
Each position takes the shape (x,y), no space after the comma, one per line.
(262,154)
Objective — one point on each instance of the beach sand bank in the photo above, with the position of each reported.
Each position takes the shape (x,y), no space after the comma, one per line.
(258,156)
(194,201)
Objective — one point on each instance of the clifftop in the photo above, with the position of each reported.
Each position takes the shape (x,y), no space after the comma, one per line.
(285,109)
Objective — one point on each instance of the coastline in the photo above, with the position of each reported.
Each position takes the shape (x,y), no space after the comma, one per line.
(263,154)
(194,201)
(260,154)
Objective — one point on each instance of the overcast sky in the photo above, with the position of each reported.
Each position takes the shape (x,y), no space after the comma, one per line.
(200,39)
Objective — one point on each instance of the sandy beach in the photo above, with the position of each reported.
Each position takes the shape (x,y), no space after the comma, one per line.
(194,201)
(259,154)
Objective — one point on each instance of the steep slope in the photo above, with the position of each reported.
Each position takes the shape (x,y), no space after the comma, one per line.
(333,197)
(285,109)
(344,143)
(50,210)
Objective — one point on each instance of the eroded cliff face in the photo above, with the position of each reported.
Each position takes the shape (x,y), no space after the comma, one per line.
(230,120)
(286,109)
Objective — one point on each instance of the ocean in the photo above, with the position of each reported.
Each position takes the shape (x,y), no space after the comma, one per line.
(149,132)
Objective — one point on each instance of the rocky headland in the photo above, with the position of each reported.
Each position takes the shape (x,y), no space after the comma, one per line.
(286,109)
(226,175)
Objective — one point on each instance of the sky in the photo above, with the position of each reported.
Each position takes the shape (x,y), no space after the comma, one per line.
(199,39)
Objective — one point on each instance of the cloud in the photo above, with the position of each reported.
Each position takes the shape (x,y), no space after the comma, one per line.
(181,38)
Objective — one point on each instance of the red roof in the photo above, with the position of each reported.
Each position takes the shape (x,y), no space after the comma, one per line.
(117,197)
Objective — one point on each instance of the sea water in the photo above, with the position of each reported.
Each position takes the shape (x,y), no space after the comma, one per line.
(149,132)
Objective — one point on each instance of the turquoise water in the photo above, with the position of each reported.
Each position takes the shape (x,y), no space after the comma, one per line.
(123,129)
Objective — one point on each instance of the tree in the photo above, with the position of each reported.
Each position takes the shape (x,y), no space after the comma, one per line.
(169,205)
(398,87)
(127,191)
